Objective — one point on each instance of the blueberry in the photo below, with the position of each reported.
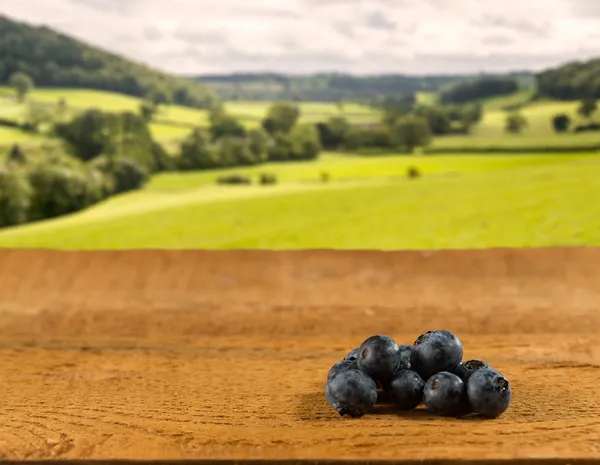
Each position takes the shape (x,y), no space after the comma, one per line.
(377,357)
(405,389)
(436,351)
(403,357)
(351,392)
(444,393)
(466,369)
(489,392)
(352,355)
(342,366)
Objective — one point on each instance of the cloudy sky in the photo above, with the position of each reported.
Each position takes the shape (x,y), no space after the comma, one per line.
(304,36)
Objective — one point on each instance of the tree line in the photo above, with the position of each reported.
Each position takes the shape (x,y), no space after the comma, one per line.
(573,81)
(55,60)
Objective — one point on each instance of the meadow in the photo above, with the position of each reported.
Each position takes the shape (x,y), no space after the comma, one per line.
(173,123)
(459,202)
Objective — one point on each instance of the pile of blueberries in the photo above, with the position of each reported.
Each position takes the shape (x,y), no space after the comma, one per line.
(430,371)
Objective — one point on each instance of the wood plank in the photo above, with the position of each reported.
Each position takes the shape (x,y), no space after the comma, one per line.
(223,355)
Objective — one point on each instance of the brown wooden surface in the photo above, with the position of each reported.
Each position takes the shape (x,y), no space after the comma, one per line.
(223,355)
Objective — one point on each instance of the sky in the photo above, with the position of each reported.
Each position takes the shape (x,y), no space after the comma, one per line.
(350,36)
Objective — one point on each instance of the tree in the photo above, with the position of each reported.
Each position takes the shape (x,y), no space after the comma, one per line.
(410,132)
(15,198)
(258,144)
(281,117)
(305,142)
(94,133)
(561,122)
(223,124)
(438,118)
(124,173)
(22,84)
(147,111)
(197,154)
(515,123)
(57,190)
(235,151)
(587,107)
(333,133)
(16,156)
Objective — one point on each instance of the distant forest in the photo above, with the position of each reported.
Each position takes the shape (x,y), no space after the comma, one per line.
(572,81)
(339,87)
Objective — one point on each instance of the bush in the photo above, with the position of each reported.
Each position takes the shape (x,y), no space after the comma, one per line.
(16,156)
(197,154)
(15,198)
(233,179)
(587,127)
(124,173)
(367,137)
(267,179)
(561,122)
(57,191)
(413,172)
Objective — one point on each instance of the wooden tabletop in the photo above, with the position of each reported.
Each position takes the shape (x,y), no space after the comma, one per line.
(223,355)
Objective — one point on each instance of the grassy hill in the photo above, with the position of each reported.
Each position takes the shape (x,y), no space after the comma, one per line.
(56,60)
(461,202)
(173,121)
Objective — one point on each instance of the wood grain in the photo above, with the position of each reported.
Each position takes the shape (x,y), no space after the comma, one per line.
(223,355)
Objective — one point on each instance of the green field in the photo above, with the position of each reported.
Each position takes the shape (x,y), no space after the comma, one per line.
(460,202)
(490,133)
(174,122)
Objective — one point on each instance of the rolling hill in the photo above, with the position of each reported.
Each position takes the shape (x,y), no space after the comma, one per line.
(56,60)
(460,202)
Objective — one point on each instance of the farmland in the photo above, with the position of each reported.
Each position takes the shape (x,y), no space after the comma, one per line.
(172,123)
(459,202)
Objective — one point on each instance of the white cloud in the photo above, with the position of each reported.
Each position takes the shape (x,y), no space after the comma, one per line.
(303,36)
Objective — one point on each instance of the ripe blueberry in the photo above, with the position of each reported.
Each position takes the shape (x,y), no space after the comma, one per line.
(403,357)
(489,392)
(466,369)
(436,351)
(405,389)
(353,354)
(342,366)
(444,394)
(351,392)
(378,357)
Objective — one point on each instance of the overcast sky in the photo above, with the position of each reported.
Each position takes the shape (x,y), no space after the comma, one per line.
(305,36)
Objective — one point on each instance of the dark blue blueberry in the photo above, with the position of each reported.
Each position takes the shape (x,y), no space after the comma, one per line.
(353,354)
(403,357)
(351,392)
(444,393)
(342,366)
(466,369)
(378,357)
(405,389)
(489,392)
(436,351)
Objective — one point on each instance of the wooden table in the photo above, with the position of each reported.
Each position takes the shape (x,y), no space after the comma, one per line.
(223,355)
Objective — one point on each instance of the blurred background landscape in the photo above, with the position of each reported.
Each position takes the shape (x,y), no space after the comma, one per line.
(304,124)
